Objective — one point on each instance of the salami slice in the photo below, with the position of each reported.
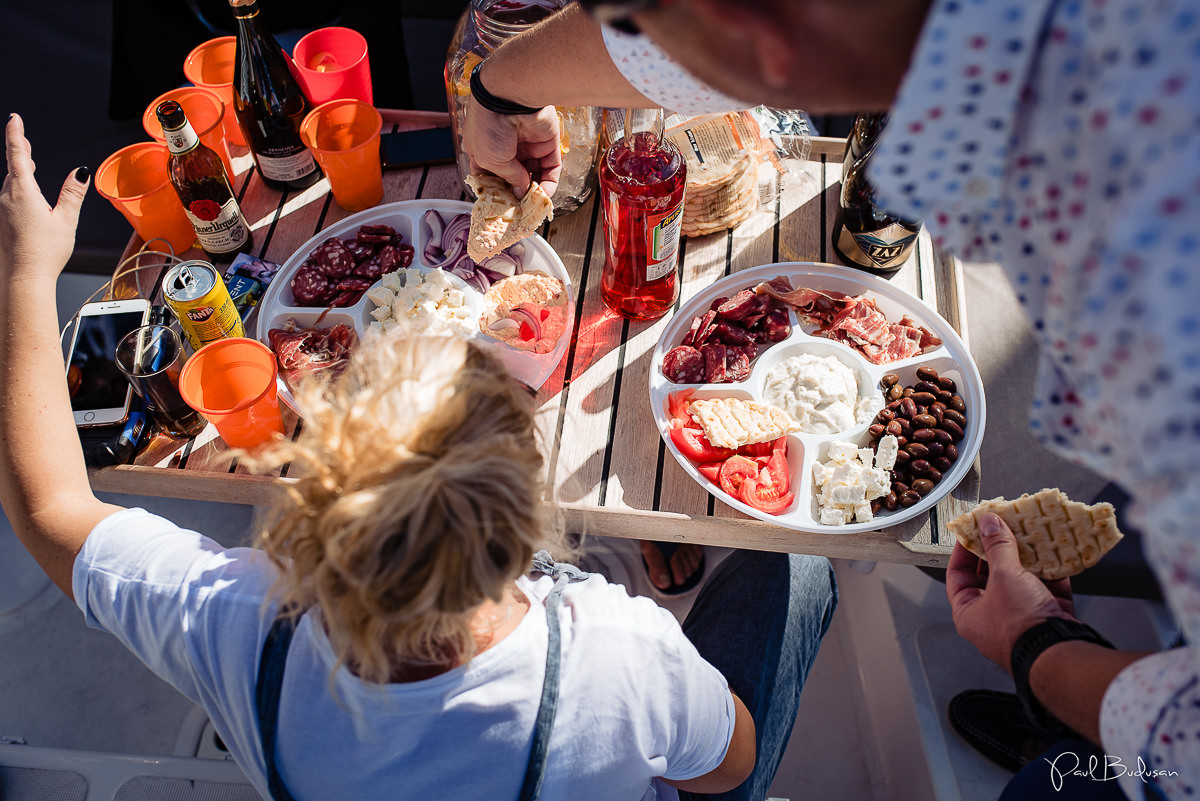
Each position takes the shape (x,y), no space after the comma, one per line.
(708,325)
(395,257)
(690,336)
(737,364)
(334,258)
(354,283)
(740,305)
(716,304)
(346,298)
(362,251)
(731,333)
(684,365)
(377,234)
(714,363)
(372,268)
(778,326)
(310,287)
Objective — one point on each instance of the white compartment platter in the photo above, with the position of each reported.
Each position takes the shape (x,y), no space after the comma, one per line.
(951,359)
(277,304)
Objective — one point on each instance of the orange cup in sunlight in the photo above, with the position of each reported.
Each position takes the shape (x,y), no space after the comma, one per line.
(134,180)
(210,66)
(204,111)
(232,383)
(333,65)
(344,137)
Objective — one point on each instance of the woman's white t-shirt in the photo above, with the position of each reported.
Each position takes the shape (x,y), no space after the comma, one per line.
(636,699)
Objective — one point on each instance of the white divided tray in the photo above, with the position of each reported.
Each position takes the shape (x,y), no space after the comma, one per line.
(951,359)
(278,304)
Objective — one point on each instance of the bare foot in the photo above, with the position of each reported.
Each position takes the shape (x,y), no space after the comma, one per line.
(684,563)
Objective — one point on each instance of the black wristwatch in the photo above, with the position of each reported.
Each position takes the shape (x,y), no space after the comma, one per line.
(1028,647)
(496,105)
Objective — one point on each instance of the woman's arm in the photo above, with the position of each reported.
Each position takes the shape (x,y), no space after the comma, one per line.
(737,764)
(44,485)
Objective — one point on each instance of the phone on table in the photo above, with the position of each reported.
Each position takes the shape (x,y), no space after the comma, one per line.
(100,392)
(416,148)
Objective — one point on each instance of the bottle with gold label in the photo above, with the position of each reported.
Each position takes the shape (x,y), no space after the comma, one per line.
(482,28)
(204,189)
(866,235)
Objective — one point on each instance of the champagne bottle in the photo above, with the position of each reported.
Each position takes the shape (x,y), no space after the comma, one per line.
(269,103)
(204,189)
(866,235)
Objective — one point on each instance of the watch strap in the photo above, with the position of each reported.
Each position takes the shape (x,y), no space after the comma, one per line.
(1028,647)
(496,105)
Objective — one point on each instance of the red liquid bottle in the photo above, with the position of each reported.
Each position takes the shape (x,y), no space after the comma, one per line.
(642,178)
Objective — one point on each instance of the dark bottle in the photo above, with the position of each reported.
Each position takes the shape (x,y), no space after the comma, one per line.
(270,104)
(200,180)
(866,235)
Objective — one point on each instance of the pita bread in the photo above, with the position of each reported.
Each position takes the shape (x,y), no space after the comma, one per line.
(1056,537)
(498,219)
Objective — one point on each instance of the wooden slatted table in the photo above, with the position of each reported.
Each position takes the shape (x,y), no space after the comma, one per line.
(608,468)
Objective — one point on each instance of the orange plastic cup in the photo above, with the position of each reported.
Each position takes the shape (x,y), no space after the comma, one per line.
(333,65)
(344,137)
(134,180)
(204,111)
(232,383)
(210,66)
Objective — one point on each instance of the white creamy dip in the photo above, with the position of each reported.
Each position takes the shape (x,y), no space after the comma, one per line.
(819,392)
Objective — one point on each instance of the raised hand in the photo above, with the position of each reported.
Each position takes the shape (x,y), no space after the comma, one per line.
(519,148)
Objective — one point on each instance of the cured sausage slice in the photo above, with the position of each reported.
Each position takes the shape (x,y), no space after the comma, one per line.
(310,287)
(684,365)
(333,257)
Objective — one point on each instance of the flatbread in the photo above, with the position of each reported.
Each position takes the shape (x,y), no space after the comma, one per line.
(1056,537)
(733,422)
(498,219)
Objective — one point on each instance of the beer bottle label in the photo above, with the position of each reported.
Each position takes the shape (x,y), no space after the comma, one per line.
(662,242)
(887,247)
(220,229)
(286,167)
(181,140)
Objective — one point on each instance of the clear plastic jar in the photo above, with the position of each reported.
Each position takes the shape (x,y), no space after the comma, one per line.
(484,25)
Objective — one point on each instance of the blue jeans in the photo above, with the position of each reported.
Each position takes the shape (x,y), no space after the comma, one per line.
(759,619)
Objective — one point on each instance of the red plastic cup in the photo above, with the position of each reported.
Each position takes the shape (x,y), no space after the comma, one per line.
(210,66)
(204,111)
(134,180)
(333,65)
(232,383)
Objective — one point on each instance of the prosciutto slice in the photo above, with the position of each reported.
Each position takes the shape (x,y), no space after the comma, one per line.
(854,320)
(304,351)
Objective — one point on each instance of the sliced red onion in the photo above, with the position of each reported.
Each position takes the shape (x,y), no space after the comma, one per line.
(503,323)
(524,315)
(436,225)
(503,264)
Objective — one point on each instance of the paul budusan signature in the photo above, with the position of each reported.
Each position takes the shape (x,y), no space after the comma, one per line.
(1111,767)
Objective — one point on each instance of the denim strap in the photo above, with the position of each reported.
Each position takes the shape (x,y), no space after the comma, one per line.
(274,658)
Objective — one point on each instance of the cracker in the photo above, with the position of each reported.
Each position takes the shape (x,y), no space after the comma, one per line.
(1056,537)
(498,219)
(732,422)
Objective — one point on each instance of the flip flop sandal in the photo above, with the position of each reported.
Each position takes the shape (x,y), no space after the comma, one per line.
(667,549)
(994,723)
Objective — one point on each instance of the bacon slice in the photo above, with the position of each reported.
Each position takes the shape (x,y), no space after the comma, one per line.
(304,351)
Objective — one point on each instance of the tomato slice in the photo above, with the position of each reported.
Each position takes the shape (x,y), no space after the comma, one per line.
(692,444)
(778,468)
(765,496)
(756,449)
(677,405)
(711,471)
(735,472)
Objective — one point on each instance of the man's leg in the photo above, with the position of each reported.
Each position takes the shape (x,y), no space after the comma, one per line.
(759,619)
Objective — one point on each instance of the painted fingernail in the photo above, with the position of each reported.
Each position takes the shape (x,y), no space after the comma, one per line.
(82,174)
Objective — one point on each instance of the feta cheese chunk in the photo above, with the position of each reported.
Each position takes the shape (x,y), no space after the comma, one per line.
(850,478)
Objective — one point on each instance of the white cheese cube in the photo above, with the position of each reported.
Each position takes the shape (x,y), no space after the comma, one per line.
(393,281)
(885,457)
(847,494)
(381,313)
(842,451)
(879,483)
(863,514)
(834,516)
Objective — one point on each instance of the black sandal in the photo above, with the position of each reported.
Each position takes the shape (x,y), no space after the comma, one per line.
(667,549)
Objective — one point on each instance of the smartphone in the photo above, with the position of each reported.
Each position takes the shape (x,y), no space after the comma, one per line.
(100,392)
(416,148)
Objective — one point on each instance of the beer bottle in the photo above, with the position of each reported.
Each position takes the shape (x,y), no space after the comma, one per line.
(866,235)
(270,104)
(204,189)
